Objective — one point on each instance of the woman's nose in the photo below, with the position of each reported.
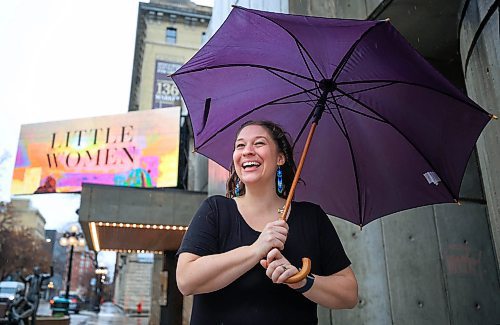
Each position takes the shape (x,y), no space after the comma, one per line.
(248,150)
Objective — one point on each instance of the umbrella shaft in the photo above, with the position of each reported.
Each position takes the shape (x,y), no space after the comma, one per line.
(319,108)
(299,170)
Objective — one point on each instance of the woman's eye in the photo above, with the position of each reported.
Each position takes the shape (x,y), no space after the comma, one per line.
(260,143)
(240,145)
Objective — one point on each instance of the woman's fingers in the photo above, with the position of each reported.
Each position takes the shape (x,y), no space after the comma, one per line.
(278,268)
(290,271)
(273,254)
(273,235)
(278,226)
(280,273)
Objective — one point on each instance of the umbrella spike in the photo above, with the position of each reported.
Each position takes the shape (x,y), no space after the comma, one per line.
(494,117)
(457,202)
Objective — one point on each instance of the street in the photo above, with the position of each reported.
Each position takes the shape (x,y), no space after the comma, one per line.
(109,314)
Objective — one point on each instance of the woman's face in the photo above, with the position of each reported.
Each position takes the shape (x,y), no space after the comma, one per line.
(256,156)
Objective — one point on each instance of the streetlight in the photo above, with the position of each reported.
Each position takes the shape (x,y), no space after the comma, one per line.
(73,237)
(100,273)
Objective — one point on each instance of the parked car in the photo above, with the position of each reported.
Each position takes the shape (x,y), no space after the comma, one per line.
(8,292)
(9,289)
(58,304)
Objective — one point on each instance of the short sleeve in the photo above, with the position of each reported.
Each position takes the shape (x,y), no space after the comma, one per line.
(333,256)
(201,237)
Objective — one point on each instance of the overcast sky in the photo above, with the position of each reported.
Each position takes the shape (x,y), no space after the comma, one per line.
(61,59)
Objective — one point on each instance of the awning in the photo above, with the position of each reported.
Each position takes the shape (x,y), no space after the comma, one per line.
(127,219)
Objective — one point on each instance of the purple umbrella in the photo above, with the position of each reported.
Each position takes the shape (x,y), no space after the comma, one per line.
(394,133)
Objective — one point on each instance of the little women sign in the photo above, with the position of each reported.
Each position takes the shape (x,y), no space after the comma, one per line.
(139,149)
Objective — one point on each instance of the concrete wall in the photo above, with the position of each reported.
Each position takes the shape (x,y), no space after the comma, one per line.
(133,283)
(357,9)
(156,290)
(480,52)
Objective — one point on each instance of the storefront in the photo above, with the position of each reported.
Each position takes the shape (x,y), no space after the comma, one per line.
(142,220)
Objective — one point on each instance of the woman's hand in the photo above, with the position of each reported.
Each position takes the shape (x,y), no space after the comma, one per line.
(273,235)
(279,269)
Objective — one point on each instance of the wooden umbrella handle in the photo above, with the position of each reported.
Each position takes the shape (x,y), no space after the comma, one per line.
(306,262)
(304,271)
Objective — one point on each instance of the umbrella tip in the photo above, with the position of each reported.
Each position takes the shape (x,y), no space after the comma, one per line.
(494,117)
(387,20)
(457,202)
(360,227)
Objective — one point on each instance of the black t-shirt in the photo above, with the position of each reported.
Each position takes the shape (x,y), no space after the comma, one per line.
(218,227)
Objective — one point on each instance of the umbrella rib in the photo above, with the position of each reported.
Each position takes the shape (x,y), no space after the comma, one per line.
(418,85)
(249,112)
(305,101)
(291,35)
(307,65)
(360,113)
(306,122)
(335,119)
(355,167)
(347,56)
(367,89)
(296,85)
(258,66)
(402,134)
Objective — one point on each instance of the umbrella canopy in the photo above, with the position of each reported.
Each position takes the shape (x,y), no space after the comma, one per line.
(395,134)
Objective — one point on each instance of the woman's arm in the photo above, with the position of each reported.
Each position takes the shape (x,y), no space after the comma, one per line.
(209,273)
(204,274)
(336,291)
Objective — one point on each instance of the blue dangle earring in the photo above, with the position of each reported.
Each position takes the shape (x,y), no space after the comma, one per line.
(237,188)
(279,176)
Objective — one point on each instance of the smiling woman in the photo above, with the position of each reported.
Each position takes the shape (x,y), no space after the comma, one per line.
(237,246)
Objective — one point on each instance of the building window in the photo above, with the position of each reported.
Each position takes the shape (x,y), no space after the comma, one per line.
(171,35)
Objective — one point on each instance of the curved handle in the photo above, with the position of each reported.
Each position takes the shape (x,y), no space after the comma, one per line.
(304,271)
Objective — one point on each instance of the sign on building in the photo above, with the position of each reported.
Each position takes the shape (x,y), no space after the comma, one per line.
(166,93)
(137,149)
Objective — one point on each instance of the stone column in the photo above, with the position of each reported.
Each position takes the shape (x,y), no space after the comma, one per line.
(480,52)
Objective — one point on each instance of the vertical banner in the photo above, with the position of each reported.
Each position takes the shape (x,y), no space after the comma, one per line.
(137,149)
(166,93)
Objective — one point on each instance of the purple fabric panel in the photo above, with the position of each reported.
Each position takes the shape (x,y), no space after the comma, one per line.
(328,173)
(389,169)
(326,40)
(249,39)
(383,54)
(254,88)
(440,127)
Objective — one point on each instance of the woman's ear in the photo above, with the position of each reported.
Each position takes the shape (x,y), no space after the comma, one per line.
(281,159)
